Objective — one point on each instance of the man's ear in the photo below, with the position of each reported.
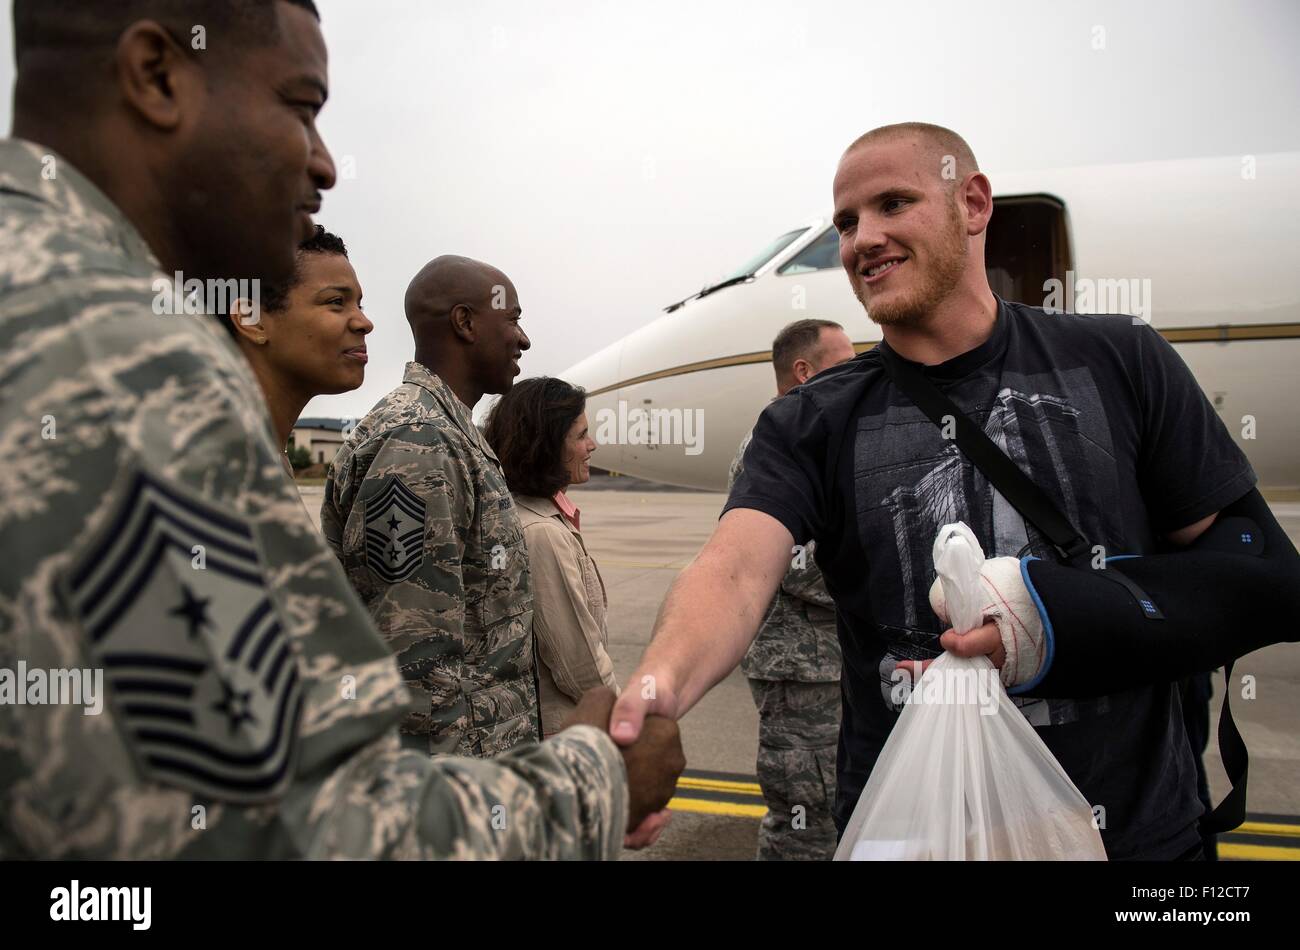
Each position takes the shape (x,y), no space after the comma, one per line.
(158,80)
(976,195)
(802,371)
(247,319)
(462,323)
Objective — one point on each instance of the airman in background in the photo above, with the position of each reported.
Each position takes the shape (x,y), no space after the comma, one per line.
(793,665)
(418,510)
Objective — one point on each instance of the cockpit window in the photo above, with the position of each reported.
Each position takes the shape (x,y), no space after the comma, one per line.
(821,254)
(769,252)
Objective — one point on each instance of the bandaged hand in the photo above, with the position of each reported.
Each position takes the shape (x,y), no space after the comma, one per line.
(1010,607)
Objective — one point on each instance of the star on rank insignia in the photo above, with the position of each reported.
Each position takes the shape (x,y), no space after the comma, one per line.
(394,531)
(200,671)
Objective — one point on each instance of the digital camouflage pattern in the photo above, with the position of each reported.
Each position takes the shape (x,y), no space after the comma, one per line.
(793,667)
(149,529)
(798,736)
(797,640)
(417,509)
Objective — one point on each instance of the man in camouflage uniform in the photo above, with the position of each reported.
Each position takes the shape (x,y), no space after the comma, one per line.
(418,510)
(793,665)
(149,531)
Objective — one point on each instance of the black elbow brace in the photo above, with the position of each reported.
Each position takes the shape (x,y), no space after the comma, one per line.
(1236,589)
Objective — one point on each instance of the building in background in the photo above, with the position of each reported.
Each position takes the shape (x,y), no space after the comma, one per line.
(320,437)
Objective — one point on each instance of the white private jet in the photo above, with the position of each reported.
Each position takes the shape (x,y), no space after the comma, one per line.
(1201,248)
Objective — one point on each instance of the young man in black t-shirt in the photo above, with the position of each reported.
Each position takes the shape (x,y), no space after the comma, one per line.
(1099,411)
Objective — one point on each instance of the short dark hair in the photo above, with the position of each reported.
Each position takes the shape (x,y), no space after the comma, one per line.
(87,24)
(61,46)
(527,428)
(275,297)
(795,341)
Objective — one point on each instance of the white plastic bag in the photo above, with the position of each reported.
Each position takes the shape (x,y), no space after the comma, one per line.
(963,775)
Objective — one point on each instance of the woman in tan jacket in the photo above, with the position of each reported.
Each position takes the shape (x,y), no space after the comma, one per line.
(539,432)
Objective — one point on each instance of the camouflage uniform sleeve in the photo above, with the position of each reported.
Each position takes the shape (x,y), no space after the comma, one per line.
(248,707)
(421,463)
(797,639)
(738,463)
(550,801)
(804,580)
(408,529)
(338,475)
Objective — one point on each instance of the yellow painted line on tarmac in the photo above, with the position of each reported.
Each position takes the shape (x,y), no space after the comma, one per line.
(1288,848)
(1257,852)
(1227,851)
(1267,828)
(700,806)
(720,785)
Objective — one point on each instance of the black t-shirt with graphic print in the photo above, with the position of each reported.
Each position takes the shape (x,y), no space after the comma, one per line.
(1104,416)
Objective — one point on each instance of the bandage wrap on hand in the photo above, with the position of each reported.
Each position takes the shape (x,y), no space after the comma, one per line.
(1009,605)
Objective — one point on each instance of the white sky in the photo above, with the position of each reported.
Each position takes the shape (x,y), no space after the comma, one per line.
(612,159)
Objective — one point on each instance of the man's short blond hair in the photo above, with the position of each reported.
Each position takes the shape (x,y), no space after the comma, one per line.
(943,142)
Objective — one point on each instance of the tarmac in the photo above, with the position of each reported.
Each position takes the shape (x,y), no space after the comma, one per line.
(641,539)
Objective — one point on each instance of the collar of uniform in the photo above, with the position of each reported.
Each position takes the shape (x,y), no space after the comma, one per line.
(545,508)
(537,505)
(567,508)
(420,375)
(24,167)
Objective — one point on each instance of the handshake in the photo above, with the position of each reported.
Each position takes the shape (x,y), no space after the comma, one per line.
(654,761)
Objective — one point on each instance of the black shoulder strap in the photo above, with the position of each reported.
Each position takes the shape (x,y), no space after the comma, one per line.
(1034,505)
(1014,485)
(1231,812)
(1026,497)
